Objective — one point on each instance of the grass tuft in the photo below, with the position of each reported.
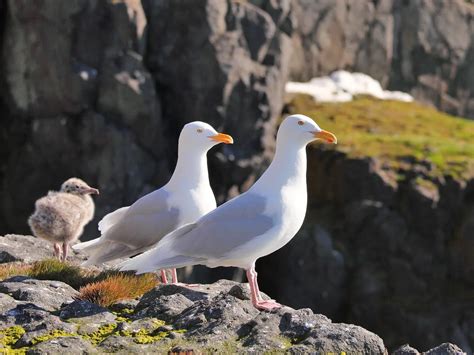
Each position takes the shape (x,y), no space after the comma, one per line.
(53,269)
(117,287)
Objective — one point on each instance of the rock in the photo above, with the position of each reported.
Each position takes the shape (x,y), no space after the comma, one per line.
(218,313)
(33,319)
(28,249)
(7,302)
(63,345)
(445,349)
(48,295)
(405,350)
(88,316)
(80,309)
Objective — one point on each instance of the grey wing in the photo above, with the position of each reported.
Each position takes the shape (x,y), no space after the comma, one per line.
(145,222)
(225,229)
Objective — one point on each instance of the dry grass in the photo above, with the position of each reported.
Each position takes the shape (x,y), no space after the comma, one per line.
(117,287)
(13,269)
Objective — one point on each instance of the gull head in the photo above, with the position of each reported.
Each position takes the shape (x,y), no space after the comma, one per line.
(78,187)
(302,129)
(200,135)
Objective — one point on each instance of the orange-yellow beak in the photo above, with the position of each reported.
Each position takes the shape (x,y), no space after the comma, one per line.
(222,138)
(325,136)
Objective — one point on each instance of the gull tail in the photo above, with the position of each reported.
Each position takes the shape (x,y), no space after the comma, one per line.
(110,250)
(162,256)
(86,246)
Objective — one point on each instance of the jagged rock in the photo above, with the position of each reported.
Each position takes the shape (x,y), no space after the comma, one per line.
(33,318)
(28,249)
(218,313)
(445,349)
(48,295)
(405,350)
(7,302)
(63,345)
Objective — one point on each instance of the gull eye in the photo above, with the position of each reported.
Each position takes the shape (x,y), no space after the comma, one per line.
(300,122)
(199,130)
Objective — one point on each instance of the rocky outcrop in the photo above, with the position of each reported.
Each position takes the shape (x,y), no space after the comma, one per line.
(215,317)
(423,47)
(389,251)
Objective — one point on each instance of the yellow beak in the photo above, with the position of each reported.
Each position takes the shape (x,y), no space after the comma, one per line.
(222,138)
(325,136)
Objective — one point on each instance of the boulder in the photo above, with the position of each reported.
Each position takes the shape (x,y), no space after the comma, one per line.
(47,295)
(63,345)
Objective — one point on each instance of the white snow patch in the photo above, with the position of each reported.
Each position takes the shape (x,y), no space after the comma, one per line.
(341,86)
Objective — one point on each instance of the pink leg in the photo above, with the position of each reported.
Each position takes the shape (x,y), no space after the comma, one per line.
(174,276)
(257,300)
(57,250)
(65,251)
(174,280)
(164,280)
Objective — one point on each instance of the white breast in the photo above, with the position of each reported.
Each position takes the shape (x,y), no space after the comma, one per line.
(192,204)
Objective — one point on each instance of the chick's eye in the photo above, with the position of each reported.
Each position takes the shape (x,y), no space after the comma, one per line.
(300,123)
(77,186)
(199,130)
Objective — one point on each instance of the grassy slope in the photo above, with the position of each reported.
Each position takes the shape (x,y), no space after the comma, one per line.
(392,131)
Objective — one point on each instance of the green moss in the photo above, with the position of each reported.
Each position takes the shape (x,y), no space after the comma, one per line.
(394,130)
(9,336)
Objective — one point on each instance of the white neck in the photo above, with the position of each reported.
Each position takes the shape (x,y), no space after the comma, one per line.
(288,168)
(191,169)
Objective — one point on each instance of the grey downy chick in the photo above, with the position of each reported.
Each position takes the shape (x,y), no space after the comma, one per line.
(60,217)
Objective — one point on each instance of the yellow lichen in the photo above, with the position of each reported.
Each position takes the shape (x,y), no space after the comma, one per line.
(100,334)
(51,335)
(9,336)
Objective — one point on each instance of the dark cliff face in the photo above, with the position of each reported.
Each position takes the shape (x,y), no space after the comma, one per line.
(100,90)
(394,257)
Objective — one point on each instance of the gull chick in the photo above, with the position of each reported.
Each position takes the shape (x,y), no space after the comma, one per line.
(185,198)
(252,225)
(60,216)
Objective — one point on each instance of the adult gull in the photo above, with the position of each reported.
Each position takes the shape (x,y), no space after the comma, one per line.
(185,198)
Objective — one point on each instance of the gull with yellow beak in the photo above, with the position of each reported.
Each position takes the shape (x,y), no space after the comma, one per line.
(184,199)
(252,225)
